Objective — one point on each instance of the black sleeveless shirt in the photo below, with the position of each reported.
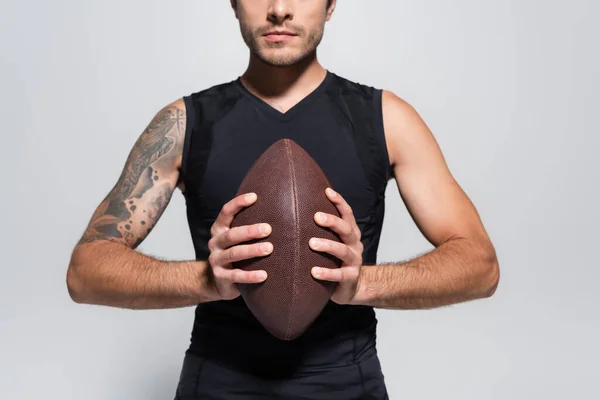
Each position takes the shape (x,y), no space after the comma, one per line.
(340,125)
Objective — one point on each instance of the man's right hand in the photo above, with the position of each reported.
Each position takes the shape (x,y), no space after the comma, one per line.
(225,248)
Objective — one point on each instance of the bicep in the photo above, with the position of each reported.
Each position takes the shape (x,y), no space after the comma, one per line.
(436,202)
(146,183)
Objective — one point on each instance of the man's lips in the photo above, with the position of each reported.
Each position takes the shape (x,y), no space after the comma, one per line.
(278,36)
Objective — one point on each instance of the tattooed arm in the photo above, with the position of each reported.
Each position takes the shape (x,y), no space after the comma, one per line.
(105,269)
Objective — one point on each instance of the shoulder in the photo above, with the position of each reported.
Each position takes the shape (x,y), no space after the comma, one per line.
(215,91)
(211,102)
(400,122)
(398,114)
(412,145)
(388,98)
(392,100)
(400,119)
(347,86)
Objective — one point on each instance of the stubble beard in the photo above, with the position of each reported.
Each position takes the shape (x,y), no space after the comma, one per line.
(287,59)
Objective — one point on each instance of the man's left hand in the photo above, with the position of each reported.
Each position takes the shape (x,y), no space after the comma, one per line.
(349,251)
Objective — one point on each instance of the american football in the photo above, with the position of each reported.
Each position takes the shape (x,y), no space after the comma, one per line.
(290,187)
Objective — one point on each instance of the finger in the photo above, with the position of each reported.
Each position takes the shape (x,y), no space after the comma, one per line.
(346,212)
(241,234)
(240,276)
(229,210)
(244,252)
(343,274)
(338,225)
(337,249)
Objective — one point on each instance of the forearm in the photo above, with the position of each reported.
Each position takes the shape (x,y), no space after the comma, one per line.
(457,271)
(112,274)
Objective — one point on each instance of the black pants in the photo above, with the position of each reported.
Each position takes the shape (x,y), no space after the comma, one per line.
(348,370)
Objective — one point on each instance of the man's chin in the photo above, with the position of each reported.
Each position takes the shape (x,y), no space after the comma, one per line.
(281,60)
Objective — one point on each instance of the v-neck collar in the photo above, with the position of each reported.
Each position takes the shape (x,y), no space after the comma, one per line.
(275,113)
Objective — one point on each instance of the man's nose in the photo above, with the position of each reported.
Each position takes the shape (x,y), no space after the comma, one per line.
(281,10)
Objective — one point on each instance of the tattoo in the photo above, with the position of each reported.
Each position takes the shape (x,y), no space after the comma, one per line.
(139,190)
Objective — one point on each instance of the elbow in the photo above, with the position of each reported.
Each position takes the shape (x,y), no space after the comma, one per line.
(491,275)
(75,286)
(75,280)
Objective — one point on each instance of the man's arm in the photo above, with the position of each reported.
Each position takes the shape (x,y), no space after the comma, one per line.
(463,266)
(104,268)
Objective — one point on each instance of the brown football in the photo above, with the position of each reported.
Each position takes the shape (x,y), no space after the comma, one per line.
(290,188)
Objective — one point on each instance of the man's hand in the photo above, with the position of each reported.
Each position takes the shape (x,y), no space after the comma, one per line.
(349,251)
(225,249)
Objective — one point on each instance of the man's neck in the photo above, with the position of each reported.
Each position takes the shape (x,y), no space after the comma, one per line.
(283,84)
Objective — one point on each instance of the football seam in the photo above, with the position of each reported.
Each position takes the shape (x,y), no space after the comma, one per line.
(296,237)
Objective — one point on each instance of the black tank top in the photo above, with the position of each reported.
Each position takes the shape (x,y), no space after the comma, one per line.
(340,125)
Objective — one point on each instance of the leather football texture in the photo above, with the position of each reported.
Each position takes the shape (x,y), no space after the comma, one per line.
(290,188)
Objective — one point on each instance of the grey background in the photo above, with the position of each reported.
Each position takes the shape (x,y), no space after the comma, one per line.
(508,87)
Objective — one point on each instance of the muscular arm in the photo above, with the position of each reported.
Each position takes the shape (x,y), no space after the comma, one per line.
(463,266)
(104,268)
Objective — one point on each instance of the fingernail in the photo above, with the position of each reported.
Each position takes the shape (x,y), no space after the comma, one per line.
(265,228)
(250,196)
(266,247)
(316,243)
(331,191)
(262,275)
(316,271)
(321,217)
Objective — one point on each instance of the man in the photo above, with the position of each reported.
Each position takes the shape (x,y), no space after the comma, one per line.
(206,142)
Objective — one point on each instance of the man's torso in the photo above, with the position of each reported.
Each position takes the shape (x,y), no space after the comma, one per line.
(340,125)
